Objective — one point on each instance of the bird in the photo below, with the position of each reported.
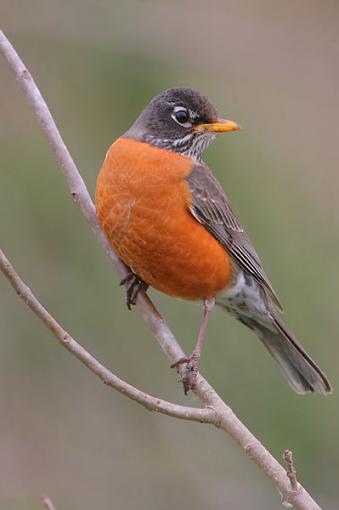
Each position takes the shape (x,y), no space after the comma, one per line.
(169,220)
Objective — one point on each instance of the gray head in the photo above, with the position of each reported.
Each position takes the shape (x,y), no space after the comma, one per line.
(181,120)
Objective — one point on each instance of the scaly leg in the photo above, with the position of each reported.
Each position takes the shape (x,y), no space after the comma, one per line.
(190,374)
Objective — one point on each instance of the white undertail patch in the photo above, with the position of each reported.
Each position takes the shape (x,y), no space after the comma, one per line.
(245,299)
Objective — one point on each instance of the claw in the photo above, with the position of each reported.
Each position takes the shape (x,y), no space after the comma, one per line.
(180,361)
(134,284)
(189,373)
(127,278)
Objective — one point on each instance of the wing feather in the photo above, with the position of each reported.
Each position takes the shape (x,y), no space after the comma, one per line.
(211,208)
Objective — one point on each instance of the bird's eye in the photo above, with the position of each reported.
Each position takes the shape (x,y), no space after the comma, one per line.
(181,116)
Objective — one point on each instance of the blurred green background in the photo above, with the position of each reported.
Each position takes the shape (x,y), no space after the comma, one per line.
(271,66)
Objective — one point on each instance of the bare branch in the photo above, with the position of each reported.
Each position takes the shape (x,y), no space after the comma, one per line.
(226,419)
(151,403)
(47,503)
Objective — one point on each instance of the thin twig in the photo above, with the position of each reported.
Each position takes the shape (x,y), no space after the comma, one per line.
(226,419)
(151,403)
(47,503)
(291,471)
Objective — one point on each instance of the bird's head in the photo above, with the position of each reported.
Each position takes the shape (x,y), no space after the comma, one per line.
(181,120)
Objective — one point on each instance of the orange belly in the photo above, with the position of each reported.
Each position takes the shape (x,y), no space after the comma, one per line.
(142,202)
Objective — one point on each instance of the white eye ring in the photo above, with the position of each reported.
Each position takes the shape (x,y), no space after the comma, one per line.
(178,109)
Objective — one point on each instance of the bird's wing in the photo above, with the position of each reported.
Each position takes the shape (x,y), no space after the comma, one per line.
(211,208)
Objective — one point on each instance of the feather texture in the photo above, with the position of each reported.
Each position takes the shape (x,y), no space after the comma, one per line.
(211,208)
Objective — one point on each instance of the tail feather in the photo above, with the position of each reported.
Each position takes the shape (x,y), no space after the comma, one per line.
(315,380)
(300,370)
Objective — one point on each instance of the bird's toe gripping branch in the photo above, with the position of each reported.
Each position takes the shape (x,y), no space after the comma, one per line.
(190,371)
(134,284)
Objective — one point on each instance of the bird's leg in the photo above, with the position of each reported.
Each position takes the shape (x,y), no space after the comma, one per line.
(190,373)
(133,284)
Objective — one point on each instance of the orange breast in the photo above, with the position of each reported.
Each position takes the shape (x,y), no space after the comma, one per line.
(142,202)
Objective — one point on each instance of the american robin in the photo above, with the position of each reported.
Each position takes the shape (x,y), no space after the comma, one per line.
(168,218)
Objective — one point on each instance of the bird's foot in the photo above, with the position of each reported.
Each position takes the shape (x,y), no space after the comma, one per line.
(190,371)
(134,284)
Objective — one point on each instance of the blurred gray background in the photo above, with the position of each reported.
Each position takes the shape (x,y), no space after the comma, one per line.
(272,67)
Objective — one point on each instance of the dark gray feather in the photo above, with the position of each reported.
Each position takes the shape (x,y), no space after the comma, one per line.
(211,208)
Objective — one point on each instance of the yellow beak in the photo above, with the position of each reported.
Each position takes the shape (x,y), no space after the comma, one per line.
(221,126)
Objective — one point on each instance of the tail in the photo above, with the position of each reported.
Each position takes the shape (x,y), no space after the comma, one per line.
(300,370)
